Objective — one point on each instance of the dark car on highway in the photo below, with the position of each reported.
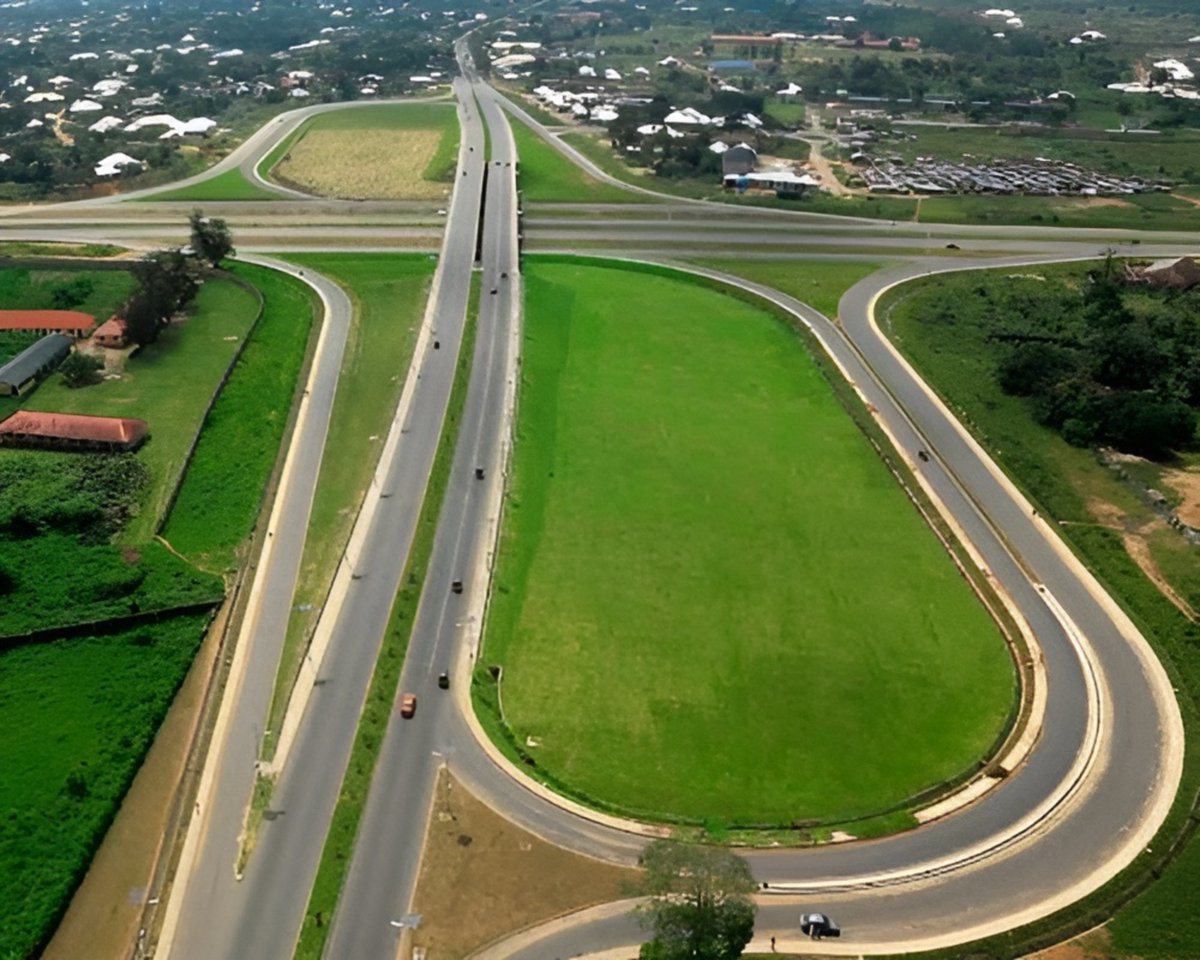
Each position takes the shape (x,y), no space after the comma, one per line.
(818,925)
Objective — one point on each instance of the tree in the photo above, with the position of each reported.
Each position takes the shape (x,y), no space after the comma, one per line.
(166,280)
(211,239)
(142,319)
(699,908)
(80,369)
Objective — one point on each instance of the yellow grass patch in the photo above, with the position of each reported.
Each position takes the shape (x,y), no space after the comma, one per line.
(379,164)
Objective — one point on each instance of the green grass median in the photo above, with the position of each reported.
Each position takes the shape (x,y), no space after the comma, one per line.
(713,601)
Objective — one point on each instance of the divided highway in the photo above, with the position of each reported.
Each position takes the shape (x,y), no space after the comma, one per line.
(1087,800)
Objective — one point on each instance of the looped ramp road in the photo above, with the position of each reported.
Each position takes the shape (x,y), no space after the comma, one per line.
(1087,799)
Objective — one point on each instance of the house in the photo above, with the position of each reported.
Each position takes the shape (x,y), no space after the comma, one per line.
(72,431)
(739,158)
(70,323)
(789,93)
(111,333)
(32,364)
(782,182)
(1179,274)
(115,163)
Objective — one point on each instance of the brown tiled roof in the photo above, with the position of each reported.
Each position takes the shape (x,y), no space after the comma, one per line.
(75,426)
(46,320)
(114,326)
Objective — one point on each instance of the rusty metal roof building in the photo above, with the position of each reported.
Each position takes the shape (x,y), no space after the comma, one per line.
(73,431)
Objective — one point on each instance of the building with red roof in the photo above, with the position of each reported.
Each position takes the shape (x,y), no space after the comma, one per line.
(111,333)
(70,323)
(73,431)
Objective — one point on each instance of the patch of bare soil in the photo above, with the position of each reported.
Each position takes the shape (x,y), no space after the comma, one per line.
(1134,540)
(1102,202)
(483,877)
(1186,483)
(1093,945)
(1194,201)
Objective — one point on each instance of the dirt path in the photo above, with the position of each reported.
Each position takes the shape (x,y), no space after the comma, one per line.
(824,170)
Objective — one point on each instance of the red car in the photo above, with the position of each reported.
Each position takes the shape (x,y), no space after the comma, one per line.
(408,705)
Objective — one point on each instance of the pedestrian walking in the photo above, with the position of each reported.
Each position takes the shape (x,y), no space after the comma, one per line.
(772,944)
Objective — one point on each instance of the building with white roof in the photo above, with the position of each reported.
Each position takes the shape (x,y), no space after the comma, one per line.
(105,124)
(114,163)
(85,106)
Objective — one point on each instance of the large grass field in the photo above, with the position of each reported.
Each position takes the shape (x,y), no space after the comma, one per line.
(699,545)
(819,283)
(389,293)
(76,717)
(1096,512)
(546,175)
(241,436)
(168,384)
(391,151)
(230,185)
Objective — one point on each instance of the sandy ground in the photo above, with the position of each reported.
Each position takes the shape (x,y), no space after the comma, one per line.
(382,164)
(1136,545)
(1093,945)
(483,878)
(104,916)
(1186,483)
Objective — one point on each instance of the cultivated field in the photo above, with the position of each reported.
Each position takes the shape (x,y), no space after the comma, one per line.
(713,600)
(404,152)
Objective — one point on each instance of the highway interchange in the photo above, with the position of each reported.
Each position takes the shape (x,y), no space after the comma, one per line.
(1083,804)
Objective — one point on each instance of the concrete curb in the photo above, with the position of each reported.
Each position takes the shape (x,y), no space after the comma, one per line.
(314,657)
(241,654)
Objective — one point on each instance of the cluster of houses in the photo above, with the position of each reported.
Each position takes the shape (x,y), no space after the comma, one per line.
(61,331)
(119,74)
(1037,177)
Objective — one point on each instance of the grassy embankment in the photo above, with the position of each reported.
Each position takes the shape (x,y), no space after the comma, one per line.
(1097,513)
(389,293)
(79,712)
(547,176)
(241,437)
(390,151)
(689,502)
(381,696)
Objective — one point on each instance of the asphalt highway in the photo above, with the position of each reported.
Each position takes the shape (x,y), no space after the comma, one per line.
(260,916)
(383,872)
(1084,803)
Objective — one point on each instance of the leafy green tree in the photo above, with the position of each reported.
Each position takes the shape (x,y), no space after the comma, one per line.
(699,906)
(1034,367)
(80,369)
(211,239)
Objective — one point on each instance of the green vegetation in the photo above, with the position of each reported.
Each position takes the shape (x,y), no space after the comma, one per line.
(230,185)
(819,283)
(1095,511)
(27,248)
(389,293)
(169,384)
(76,717)
(546,175)
(98,292)
(381,697)
(688,502)
(58,513)
(13,342)
(241,436)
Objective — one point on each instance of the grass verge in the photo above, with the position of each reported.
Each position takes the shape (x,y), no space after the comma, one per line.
(389,293)
(230,185)
(223,488)
(692,484)
(343,829)
(546,175)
